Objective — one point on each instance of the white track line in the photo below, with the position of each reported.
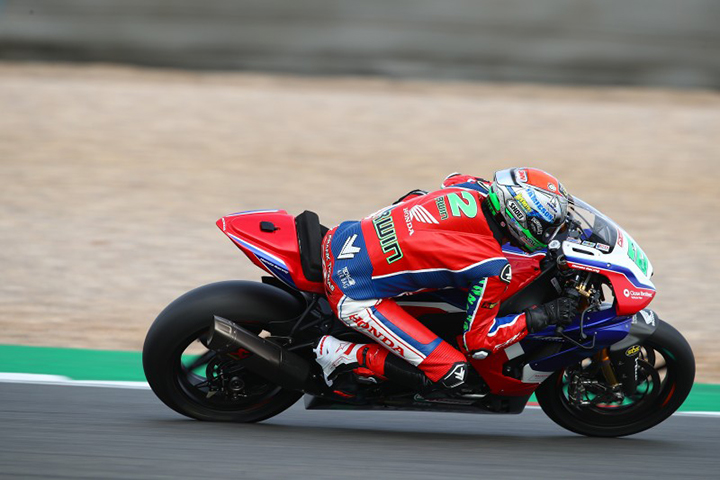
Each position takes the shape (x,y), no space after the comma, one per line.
(37,379)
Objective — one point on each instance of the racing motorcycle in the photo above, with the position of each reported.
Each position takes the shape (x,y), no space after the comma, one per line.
(241,351)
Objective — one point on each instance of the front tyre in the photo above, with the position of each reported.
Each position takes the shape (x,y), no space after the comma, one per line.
(666,371)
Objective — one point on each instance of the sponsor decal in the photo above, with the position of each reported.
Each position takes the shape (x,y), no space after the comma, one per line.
(272,265)
(620,239)
(467,204)
(505,344)
(635,295)
(532,376)
(584,267)
(385,231)
(539,207)
(602,247)
(519,198)
(475,293)
(442,208)
(489,305)
(588,244)
(388,342)
(532,243)
(535,226)
(516,211)
(648,316)
(349,250)
(573,240)
(327,263)
(345,278)
(521,175)
(506,273)
(637,256)
(422,215)
(408,221)
(632,351)
(552,187)
(554,205)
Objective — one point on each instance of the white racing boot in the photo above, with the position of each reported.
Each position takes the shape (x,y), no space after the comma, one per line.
(336,357)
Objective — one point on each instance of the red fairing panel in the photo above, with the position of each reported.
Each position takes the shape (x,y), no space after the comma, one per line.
(277,252)
(490,369)
(630,298)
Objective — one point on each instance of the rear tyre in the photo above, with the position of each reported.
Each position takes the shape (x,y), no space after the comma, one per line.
(203,384)
(666,371)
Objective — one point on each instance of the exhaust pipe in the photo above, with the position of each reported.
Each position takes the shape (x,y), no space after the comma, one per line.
(267,359)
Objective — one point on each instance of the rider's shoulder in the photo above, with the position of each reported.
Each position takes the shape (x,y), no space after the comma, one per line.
(469,182)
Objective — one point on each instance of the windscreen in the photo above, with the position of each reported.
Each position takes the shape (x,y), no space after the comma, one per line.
(598,231)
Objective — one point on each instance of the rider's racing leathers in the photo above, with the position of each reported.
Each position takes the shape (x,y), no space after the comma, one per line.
(425,242)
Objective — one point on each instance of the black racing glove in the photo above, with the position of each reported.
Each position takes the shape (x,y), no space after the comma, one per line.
(557,312)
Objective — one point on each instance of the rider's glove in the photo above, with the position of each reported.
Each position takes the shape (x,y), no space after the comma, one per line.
(557,312)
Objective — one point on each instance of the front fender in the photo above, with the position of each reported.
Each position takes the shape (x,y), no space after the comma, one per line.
(625,353)
(643,326)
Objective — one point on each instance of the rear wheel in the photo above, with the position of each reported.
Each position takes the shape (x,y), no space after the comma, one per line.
(201,383)
(578,399)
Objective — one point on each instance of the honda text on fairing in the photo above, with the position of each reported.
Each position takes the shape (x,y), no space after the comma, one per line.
(242,351)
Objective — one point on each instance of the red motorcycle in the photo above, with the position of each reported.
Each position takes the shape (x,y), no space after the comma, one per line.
(242,351)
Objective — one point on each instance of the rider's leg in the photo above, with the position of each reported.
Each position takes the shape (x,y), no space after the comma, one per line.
(382,320)
(365,360)
(385,322)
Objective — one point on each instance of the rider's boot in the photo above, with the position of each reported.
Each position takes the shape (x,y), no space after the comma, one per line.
(462,380)
(368,362)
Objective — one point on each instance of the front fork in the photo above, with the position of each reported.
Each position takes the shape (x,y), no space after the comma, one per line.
(603,359)
(620,367)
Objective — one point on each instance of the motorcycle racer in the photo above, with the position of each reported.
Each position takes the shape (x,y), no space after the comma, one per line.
(450,238)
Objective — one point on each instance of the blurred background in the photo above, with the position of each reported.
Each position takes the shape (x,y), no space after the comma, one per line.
(631,42)
(127,128)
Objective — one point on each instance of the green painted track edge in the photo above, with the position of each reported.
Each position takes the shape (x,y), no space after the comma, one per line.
(108,365)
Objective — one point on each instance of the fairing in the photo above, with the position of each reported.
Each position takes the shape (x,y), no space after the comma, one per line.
(275,251)
(607,249)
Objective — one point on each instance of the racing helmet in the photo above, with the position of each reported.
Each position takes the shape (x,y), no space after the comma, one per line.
(530,204)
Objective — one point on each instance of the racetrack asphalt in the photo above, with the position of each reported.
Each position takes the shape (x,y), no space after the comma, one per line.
(86,432)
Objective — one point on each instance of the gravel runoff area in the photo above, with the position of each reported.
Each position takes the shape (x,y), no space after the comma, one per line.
(112,178)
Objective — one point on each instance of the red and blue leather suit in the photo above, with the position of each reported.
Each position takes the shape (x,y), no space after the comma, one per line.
(426,242)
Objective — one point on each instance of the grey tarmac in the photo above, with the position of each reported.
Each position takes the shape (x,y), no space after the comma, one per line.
(84,432)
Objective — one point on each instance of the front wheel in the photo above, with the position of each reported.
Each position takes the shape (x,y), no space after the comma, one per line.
(665,371)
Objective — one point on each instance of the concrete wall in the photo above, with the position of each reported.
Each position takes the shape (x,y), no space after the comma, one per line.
(649,42)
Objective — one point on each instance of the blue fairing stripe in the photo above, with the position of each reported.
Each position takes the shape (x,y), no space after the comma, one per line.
(275,265)
(401,282)
(508,248)
(280,273)
(258,251)
(250,212)
(425,348)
